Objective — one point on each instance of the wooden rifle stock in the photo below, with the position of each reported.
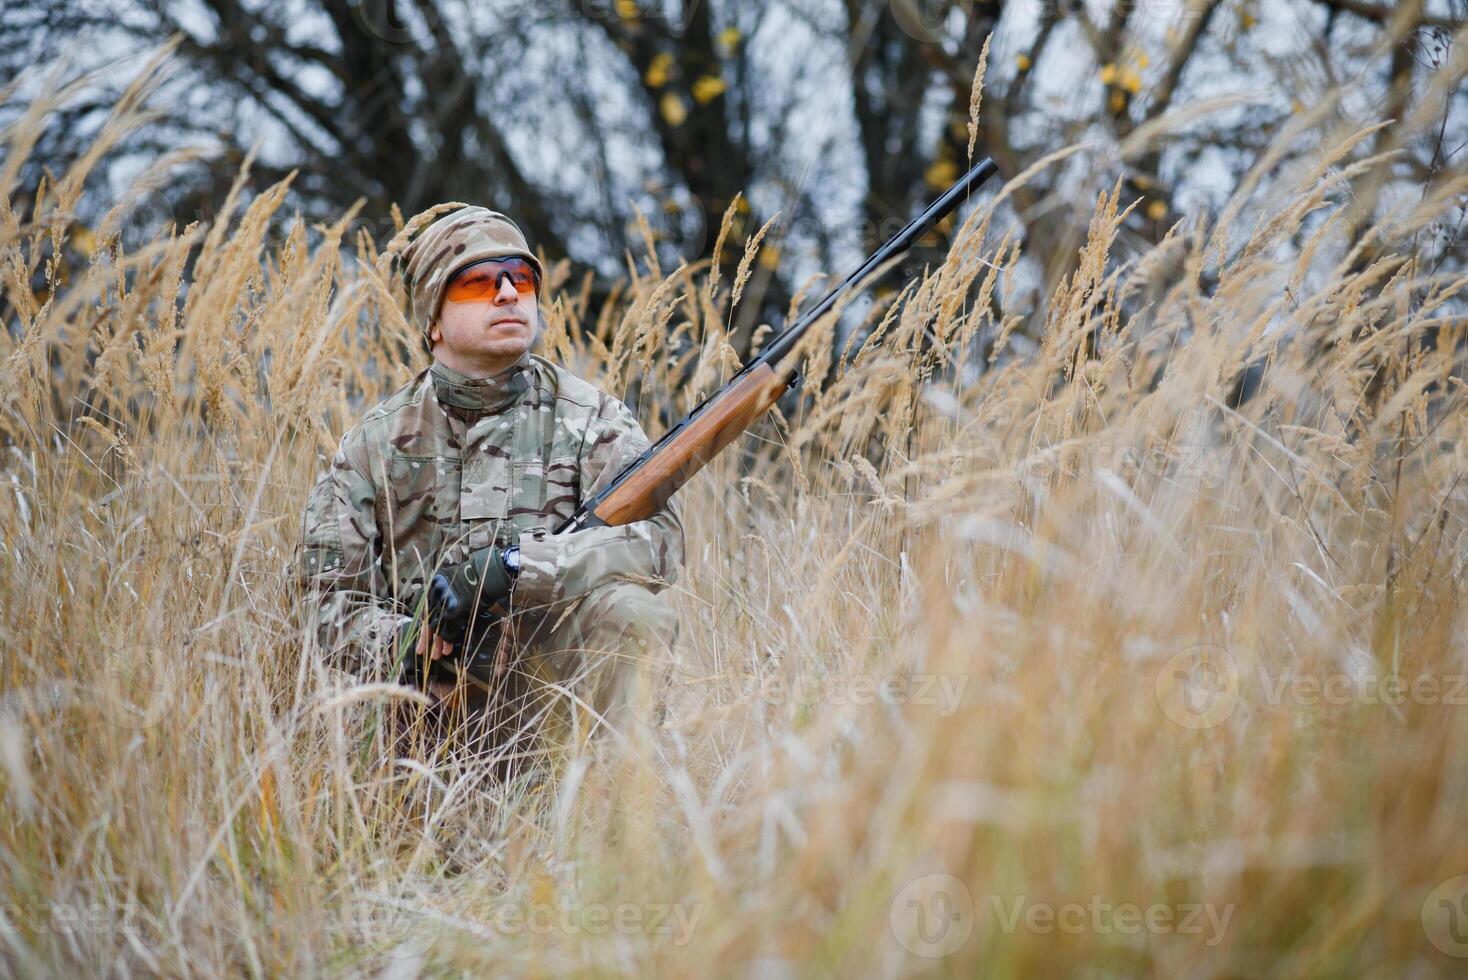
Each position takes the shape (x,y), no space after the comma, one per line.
(648,482)
(732,410)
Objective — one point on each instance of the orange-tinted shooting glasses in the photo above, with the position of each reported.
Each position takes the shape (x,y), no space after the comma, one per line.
(481,281)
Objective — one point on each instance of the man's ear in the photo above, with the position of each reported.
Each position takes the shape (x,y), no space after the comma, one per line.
(434,334)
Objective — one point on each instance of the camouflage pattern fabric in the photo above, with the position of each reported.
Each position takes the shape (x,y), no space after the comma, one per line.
(449,464)
(597,666)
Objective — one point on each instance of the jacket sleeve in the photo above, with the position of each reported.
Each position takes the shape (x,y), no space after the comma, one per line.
(559,567)
(347,598)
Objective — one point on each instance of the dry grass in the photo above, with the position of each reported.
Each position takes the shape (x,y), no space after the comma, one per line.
(1096,593)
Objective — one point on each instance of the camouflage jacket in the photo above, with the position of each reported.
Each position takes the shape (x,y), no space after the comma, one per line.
(449,464)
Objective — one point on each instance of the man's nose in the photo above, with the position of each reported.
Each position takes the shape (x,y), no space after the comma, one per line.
(507,293)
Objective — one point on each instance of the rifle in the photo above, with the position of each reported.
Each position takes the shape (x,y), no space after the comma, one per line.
(650,479)
(456,595)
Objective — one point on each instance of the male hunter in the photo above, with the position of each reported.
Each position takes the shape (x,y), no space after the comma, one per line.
(491,445)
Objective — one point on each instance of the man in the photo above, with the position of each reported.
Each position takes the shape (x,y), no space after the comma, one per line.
(490,447)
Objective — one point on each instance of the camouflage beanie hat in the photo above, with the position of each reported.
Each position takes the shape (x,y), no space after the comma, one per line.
(459,238)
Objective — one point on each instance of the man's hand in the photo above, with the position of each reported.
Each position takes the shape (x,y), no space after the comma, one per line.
(459,592)
(431,645)
(435,647)
(428,644)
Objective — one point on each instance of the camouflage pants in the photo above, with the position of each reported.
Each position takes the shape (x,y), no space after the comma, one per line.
(572,671)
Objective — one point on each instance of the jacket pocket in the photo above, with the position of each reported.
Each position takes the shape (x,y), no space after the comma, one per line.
(486,485)
(560,489)
(420,498)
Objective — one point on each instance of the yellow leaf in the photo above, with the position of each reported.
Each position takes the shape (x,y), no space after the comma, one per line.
(708,88)
(673,110)
(1143,61)
(1023,61)
(543,892)
(769,256)
(1157,210)
(657,71)
(627,9)
(1247,20)
(729,39)
(83,239)
(941,172)
(1131,81)
(1117,101)
(1108,74)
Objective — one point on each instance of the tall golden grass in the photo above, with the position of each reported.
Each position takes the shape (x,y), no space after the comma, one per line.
(1083,636)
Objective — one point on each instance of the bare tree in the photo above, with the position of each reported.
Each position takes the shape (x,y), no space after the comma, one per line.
(569,113)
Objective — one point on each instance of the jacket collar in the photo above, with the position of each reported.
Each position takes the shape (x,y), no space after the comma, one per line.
(481,396)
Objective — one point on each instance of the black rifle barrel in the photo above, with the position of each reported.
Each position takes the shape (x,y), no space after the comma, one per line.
(896,245)
(778,348)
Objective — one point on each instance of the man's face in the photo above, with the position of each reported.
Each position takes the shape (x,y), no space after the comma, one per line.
(496,325)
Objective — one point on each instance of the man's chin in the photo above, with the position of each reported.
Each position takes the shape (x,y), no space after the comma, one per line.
(506,347)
